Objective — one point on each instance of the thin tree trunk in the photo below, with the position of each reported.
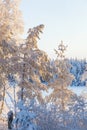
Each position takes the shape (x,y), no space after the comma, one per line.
(14,103)
(22,97)
(63,106)
(23,76)
(2,105)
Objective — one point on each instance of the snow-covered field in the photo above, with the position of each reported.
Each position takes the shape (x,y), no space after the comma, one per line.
(3,125)
(79,90)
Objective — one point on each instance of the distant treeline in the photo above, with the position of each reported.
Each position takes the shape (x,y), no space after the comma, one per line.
(77,69)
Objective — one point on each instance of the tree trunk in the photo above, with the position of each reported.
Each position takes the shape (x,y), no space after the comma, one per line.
(2,105)
(23,76)
(22,94)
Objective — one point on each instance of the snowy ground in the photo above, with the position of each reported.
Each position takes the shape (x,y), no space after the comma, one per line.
(79,90)
(3,125)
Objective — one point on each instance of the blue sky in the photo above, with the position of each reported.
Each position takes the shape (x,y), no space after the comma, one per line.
(63,19)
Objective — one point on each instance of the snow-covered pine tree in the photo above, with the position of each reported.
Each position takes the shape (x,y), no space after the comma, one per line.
(77,113)
(11,22)
(64,78)
(30,64)
(25,118)
(77,69)
(84,75)
(61,94)
(10,27)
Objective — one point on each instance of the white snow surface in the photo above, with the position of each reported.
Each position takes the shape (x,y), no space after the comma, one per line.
(79,90)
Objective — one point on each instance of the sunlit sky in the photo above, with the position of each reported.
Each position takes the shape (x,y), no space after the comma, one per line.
(63,19)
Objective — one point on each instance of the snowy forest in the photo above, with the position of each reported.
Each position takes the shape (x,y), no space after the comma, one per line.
(34,89)
(77,69)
